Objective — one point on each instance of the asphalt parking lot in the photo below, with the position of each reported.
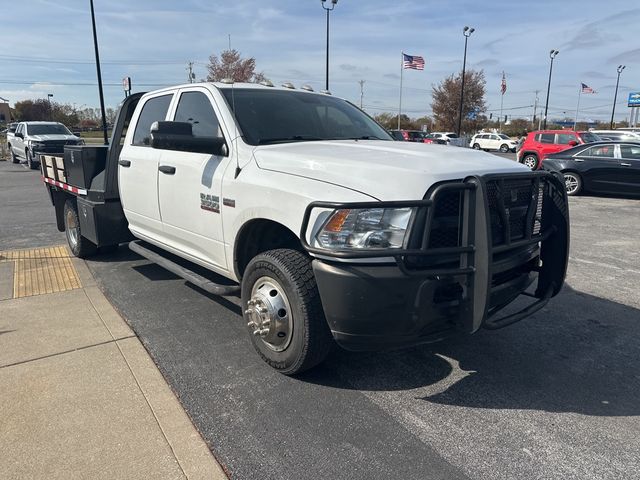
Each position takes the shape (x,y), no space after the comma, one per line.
(555,396)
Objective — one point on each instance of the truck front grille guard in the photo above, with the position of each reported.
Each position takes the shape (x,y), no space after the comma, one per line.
(485,230)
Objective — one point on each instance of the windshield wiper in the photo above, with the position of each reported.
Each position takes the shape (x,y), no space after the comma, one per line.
(293,138)
(365,137)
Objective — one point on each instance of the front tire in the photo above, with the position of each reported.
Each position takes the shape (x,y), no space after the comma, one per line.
(573,183)
(31,163)
(504,148)
(284,314)
(79,245)
(530,160)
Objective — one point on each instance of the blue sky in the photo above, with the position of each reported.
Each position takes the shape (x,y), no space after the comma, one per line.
(152,41)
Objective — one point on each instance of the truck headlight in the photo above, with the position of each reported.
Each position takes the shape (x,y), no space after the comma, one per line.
(364,228)
(37,145)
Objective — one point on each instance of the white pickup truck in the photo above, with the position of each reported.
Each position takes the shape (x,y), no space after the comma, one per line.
(330,231)
(32,139)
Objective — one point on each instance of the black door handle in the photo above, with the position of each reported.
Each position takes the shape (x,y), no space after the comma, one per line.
(168,169)
(124,163)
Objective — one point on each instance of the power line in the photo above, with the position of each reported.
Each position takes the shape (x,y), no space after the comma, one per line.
(21,59)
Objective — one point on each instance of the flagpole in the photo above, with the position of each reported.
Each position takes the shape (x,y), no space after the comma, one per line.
(575,122)
(400,104)
(501,101)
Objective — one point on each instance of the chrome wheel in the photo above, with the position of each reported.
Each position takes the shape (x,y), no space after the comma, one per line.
(269,313)
(476,146)
(504,148)
(572,183)
(72,228)
(530,161)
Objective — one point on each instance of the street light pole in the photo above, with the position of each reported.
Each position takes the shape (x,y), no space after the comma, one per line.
(615,97)
(328,9)
(552,55)
(95,45)
(466,31)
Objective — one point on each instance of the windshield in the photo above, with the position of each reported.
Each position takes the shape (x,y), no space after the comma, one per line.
(48,129)
(588,137)
(504,137)
(278,116)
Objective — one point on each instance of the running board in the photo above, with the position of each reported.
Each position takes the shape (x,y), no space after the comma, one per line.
(189,275)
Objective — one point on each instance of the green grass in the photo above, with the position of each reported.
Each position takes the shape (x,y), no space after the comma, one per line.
(97,134)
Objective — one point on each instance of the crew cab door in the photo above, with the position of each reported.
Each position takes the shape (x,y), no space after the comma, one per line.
(630,168)
(601,168)
(190,184)
(17,145)
(494,142)
(138,169)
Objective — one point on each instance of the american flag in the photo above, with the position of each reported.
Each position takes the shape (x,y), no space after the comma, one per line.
(587,89)
(503,85)
(413,61)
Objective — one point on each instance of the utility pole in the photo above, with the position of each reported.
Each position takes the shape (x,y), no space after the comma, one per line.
(192,75)
(535,109)
(361,82)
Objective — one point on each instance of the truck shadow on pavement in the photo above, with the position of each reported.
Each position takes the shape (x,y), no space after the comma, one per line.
(581,354)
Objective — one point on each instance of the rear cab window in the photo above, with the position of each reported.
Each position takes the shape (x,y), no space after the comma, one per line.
(154,110)
(630,151)
(545,137)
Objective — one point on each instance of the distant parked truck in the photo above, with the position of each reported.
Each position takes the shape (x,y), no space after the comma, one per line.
(32,139)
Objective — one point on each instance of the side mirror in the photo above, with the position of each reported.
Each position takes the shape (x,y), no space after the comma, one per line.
(179,136)
(572,143)
(19,135)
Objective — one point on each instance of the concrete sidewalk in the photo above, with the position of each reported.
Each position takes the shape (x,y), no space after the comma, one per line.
(79,395)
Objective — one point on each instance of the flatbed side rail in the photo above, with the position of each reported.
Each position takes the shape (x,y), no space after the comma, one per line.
(53,173)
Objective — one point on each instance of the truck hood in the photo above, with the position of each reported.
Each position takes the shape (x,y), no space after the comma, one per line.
(52,138)
(384,170)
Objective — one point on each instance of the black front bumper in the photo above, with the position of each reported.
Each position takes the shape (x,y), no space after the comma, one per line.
(433,290)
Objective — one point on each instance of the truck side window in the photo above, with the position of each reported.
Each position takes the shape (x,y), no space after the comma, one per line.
(195,108)
(547,137)
(599,151)
(153,111)
(565,138)
(630,151)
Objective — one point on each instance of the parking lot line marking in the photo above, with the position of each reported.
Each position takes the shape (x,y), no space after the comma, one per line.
(39,271)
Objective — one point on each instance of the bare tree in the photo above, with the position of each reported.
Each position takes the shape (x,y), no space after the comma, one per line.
(231,65)
(446,100)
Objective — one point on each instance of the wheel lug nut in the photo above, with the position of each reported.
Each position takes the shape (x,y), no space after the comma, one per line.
(262,310)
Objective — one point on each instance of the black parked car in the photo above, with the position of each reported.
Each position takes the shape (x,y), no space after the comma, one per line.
(599,167)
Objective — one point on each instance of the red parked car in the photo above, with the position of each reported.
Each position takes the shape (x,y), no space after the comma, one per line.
(539,144)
